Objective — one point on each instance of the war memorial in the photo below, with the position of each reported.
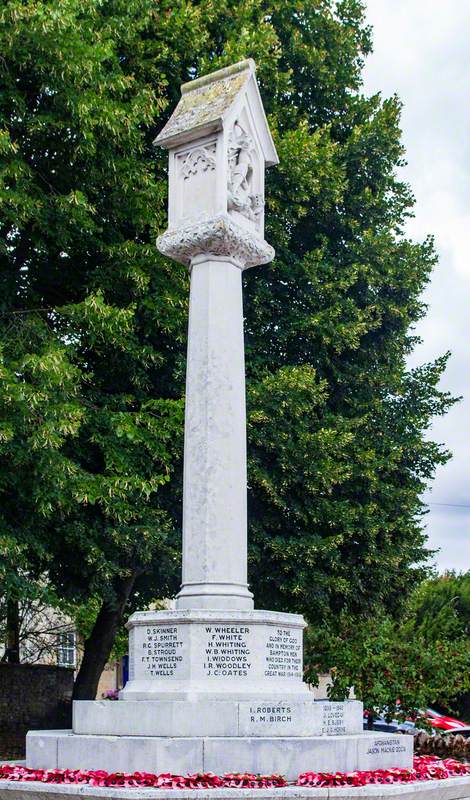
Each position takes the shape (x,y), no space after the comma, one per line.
(216,685)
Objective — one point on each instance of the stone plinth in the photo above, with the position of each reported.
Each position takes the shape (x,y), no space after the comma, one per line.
(186,655)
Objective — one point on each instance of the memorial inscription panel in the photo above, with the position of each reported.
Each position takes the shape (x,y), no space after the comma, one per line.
(385,751)
(160,651)
(382,746)
(269,719)
(333,719)
(283,654)
(227,652)
(216,651)
(270,714)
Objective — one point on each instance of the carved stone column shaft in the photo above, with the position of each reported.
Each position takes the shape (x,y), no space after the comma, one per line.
(214,504)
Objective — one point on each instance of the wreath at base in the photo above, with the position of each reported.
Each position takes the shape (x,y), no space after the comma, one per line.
(425,768)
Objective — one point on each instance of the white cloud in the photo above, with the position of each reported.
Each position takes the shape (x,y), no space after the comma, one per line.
(421,52)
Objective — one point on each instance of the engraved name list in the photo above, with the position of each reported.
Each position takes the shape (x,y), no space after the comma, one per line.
(162,652)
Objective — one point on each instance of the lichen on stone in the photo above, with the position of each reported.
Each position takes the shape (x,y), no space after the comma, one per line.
(207,102)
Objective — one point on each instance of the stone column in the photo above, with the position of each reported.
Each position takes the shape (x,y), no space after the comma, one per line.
(214,494)
(219,144)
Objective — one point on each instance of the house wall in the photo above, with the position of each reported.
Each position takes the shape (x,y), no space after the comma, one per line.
(110,680)
(45,705)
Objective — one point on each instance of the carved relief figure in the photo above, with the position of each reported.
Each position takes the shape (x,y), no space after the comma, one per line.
(240,179)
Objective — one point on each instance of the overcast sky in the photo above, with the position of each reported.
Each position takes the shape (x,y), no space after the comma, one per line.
(422,53)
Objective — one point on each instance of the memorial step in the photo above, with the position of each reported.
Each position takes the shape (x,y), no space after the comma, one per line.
(288,756)
(273,717)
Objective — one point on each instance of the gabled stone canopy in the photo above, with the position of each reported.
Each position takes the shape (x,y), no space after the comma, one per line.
(207,102)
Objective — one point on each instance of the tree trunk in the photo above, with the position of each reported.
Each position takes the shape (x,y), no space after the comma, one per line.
(99,644)
(12,652)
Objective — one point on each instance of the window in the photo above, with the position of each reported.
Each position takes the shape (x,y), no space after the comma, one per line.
(66,649)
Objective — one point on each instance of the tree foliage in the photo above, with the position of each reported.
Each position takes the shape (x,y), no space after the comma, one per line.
(93,318)
(400,666)
(391,666)
(441,607)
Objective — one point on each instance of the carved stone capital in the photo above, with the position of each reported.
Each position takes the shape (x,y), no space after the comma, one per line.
(218,236)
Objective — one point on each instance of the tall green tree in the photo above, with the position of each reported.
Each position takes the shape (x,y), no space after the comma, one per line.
(337,452)
(400,665)
(393,668)
(441,613)
(441,607)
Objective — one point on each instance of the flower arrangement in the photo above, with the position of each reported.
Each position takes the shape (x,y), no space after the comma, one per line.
(146,779)
(425,768)
(111,694)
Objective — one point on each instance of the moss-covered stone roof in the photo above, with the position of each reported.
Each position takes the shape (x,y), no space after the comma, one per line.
(205,100)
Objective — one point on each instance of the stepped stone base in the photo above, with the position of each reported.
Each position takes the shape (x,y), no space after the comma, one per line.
(217,691)
(270,717)
(288,756)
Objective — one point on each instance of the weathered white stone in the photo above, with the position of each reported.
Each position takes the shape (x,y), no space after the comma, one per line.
(41,748)
(272,717)
(219,144)
(384,751)
(186,654)
(162,718)
(308,718)
(214,488)
(220,236)
(226,680)
(115,753)
(287,755)
(180,756)
(107,753)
